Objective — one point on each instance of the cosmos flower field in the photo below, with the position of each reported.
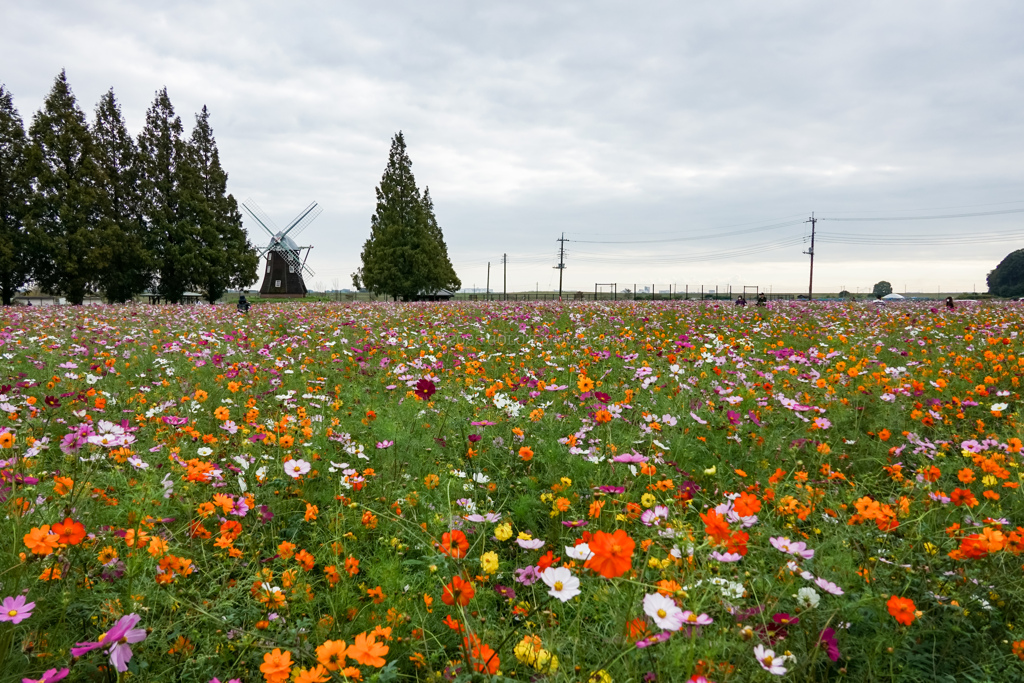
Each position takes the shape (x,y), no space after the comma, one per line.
(630,491)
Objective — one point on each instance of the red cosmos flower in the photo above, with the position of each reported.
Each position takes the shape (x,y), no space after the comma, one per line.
(963,497)
(613,553)
(546,561)
(454,544)
(69,532)
(902,610)
(458,591)
(425,389)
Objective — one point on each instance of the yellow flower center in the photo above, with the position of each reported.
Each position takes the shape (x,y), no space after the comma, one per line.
(692,617)
(102,636)
(616,549)
(558,585)
(662,613)
(767,660)
(13,613)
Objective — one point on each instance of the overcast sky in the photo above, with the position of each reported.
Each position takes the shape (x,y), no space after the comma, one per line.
(610,121)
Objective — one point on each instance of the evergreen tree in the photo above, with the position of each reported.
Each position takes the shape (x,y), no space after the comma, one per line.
(226,256)
(444,274)
(129,263)
(1008,277)
(405,254)
(172,236)
(64,207)
(15,190)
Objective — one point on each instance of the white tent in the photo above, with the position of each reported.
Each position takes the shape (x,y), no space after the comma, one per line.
(893,297)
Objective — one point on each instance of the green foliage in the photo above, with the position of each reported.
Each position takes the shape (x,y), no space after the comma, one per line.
(227,257)
(881,289)
(1008,277)
(129,264)
(405,255)
(68,256)
(171,236)
(15,190)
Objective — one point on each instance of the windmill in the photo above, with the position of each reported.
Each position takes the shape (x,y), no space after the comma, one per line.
(285,263)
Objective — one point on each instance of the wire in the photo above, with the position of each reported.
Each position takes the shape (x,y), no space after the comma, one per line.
(705,236)
(925,218)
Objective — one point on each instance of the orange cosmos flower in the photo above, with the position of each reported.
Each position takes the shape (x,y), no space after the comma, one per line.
(458,591)
(305,559)
(902,610)
(331,654)
(367,651)
(276,667)
(454,543)
(69,532)
(352,566)
(41,541)
(584,384)
(285,550)
(222,413)
(311,512)
(377,594)
(318,674)
(526,453)
(612,553)
(715,526)
(746,505)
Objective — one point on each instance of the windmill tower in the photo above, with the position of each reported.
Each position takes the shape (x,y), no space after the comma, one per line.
(285,263)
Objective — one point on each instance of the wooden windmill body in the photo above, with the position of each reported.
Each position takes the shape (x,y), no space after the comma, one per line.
(285,263)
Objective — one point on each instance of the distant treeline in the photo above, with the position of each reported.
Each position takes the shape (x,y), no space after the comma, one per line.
(86,209)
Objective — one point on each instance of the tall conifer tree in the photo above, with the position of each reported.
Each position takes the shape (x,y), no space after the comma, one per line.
(227,257)
(172,235)
(405,254)
(444,273)
(129,263)
(64,205)
(15,190)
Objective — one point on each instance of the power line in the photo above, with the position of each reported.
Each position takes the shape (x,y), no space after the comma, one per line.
(707,235)
(925,218)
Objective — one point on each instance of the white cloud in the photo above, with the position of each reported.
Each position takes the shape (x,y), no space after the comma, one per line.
(528,119)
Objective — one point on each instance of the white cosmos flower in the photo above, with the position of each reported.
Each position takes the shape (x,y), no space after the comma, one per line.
(205,452)
(663,611)
(999,407)
(807,597)
(579,552)
(772,663)
(296,468)
(562,583)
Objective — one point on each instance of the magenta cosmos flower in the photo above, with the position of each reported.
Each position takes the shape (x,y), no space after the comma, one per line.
(16,610)
(49,676)
(119,638)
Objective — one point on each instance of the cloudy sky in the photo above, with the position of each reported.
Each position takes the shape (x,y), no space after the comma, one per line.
(673,143)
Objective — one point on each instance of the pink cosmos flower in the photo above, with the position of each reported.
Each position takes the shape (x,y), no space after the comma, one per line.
(798,548)
(15,609)
(828,586)
(49,676)
(120,638)
(532,544)
(694,619)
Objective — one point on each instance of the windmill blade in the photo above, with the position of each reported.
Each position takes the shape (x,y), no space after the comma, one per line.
(300,222)
(258,215)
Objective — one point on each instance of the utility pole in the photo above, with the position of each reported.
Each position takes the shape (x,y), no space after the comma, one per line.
(488,280)
(561,262)
(504,276)
(810,252)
